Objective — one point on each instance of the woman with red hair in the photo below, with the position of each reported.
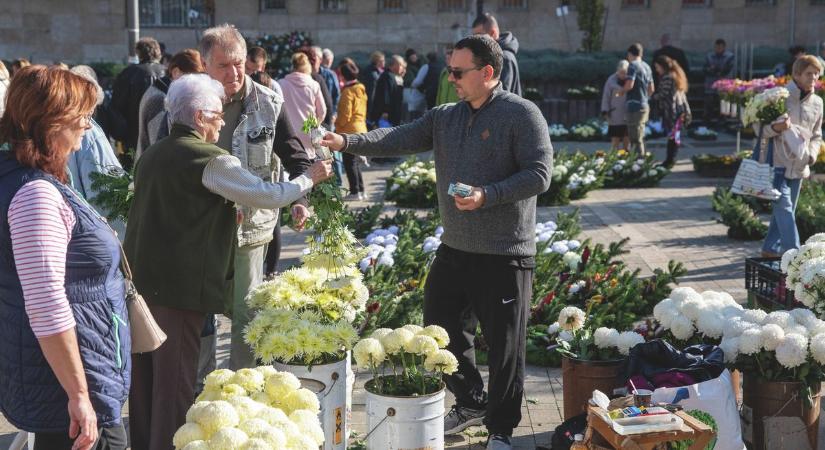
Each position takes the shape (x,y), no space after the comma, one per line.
(65,358)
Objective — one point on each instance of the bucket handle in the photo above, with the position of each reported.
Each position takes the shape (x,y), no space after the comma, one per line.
(390,413)
(335,378)
(792,398)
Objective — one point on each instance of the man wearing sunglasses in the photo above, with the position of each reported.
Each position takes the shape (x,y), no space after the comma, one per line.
(497,143)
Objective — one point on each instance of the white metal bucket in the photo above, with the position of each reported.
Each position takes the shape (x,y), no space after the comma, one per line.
(402,423)
(335,399)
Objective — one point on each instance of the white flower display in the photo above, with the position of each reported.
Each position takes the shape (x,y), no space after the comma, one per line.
(682,328)
(368,352)
(735,326)
(710,324)
(627,340)
(422,345)
(818,348)
(730,346)
(772,336)
(438,333)
(572,260)
(558,130)
(755,316)
(605,337)
(760,101)
(577,286)
(805,269)
(397,340)
(441,361)
(793,351)
(553,328)
(571,318)
(750,341)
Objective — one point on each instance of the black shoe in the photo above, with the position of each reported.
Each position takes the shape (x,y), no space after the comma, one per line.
(499,442)
(460,418)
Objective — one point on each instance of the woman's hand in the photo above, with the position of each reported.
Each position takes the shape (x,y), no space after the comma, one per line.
(781,126)
(320,171)
(83,422)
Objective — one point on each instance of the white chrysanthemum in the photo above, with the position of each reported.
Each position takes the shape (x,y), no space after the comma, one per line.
(197,445)
(422,345)
(553,328)
(571,318)
(681,294)
(250,379)
(605,337)
(195,410)
(256,444)
(254,427)
(816,327)
(396,341)
(730,347)
(710,324)
(797,329)
(781,318)
(273,416)
(787,257)
(441,361)
(756,316)
(692,307)
(438,333)
(216,415)
(682,328)
(217,379)
(804,317)
(732,311)
(772,336)
(572,260)
(246,407)
(381,332)
(665,304)
(818,348)
(627,340)
(301,399)
(415,329)
(228,439)
(735,326)
(308,422)
(368,352)
(187,433)
(750,341)
(266,371)
(280,384)
(793,351)
(210,395)
(232,390)
(300,442)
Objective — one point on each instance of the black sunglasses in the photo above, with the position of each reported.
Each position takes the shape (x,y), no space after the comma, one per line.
(458,73)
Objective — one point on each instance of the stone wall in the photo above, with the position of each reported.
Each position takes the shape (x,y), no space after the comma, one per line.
(94,30)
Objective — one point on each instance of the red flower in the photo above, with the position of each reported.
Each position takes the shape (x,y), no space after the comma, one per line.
(373,308)
(549,298)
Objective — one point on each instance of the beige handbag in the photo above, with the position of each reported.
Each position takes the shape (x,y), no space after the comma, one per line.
(147,335)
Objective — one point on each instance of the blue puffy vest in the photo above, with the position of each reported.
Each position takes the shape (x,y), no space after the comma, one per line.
(31,398)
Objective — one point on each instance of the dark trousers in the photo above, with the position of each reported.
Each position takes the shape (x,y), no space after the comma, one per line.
(497,291)
(273,250)
(110,438)
(353,169)
(163,381)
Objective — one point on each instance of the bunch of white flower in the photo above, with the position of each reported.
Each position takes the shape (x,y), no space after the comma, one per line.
(757,103)
(545,231)
(558,130)
(571,318)
(381,246)
(253,419)
(805,269)
(431,243)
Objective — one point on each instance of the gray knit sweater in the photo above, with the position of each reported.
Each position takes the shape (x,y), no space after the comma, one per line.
(504,147)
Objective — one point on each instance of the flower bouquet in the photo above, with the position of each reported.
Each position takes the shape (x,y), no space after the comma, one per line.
(255,409)
(412,184)
(316,132)
(765,107)
(407,364)
(805,270)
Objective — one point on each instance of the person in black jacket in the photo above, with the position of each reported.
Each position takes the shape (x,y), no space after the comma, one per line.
(131,84)
(510,80)
(369,77)
(674,53)
(388,101)
(430,86)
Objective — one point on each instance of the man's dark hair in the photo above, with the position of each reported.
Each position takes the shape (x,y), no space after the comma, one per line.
(432,58)
(720,41)
(148,50)
(487,21)
(796,49)
(261,78)
(256,54)
(635,49)
(486,51)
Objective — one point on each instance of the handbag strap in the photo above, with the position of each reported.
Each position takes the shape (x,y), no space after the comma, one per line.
(757,149)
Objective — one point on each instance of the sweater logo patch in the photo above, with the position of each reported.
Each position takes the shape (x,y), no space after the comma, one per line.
(485,134)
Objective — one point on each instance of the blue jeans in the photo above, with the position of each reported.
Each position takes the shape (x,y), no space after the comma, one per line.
(782,233)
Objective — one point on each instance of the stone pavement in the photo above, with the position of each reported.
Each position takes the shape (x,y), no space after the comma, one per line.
(673,221)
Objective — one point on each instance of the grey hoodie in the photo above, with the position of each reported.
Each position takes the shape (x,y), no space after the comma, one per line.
(510,80)
(503,147)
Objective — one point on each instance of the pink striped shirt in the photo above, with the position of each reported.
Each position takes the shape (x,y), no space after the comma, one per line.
(41,225)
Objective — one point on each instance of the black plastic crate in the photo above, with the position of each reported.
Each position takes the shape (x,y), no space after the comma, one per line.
(765,283)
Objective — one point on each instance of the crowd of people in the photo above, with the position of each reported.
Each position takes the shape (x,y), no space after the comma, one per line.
(220,147)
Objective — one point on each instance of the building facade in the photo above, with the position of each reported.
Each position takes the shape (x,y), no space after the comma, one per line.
(95,30)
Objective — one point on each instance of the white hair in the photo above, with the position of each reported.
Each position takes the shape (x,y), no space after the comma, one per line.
(225,36)
(89,74)
(192,93)
(327,53)
(622,66)
(317,51)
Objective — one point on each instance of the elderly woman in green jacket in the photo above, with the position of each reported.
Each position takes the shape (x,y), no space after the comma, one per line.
(180,241)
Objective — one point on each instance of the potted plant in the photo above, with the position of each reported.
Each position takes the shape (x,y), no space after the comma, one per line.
(406,389)
(591,359)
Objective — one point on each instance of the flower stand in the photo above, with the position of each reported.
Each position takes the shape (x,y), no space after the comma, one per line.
(580,378)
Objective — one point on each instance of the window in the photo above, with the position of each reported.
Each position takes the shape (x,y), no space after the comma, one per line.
(451,6)
(512,4)
(273,5)
(695,3)
(177,13)
(335,6)
(635,3)
(392,5)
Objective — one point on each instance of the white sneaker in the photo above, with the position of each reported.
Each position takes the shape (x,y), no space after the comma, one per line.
(362,196)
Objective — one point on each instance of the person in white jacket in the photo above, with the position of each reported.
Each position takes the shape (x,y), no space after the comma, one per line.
(796,143)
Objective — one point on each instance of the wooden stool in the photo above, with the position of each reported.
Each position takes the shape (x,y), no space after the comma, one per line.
(692,429)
